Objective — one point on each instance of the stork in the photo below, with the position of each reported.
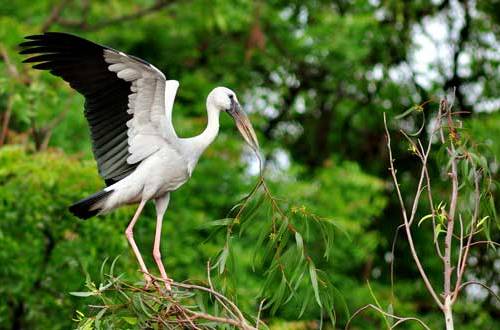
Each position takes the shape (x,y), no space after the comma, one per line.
(128,106)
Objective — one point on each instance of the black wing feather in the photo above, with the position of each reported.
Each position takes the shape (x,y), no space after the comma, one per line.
(81,63)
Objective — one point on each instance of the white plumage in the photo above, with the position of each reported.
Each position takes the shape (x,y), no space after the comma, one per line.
(129,109)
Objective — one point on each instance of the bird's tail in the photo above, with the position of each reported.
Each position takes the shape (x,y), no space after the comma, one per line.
(90,206)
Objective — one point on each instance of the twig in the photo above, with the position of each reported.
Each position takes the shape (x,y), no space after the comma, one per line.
(480,284)
(261,305)
(393,250)
(406,221)
(83,25)
(461,267)
(5,122)
(399,318)
(54,15)
(212,292)
(212,288)
(451,220)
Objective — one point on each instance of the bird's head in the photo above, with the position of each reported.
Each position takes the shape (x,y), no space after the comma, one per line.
(225,100)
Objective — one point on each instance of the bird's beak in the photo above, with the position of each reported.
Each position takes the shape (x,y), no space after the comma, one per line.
(244,125)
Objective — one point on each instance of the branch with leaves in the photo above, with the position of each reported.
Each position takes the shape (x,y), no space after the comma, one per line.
(470,180)
(120,304)
(282,249)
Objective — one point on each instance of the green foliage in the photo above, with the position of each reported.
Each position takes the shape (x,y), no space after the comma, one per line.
(315,77)
(43,247)
(120,304)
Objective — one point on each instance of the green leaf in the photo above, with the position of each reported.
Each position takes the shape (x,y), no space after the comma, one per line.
(428,216)
(314,282)
(437,230)
(98,317)
(300,244)
(217,223)
(83,294)
(130,320)
(482,221)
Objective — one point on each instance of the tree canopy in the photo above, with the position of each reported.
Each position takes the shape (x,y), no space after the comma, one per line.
(315,77)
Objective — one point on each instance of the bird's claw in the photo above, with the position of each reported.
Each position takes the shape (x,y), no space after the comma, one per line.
(168,281)
(148,282)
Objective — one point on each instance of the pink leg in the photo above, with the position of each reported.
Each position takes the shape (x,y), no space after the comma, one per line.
(161,207)
(129,232)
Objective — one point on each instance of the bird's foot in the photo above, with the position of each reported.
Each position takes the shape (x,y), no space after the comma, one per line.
(148,282)
(168,283)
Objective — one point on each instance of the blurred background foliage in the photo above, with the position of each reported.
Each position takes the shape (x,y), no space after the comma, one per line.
(315,77)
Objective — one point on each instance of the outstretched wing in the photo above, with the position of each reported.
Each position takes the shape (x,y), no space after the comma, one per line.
(128,102)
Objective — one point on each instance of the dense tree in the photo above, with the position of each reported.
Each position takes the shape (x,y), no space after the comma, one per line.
(316,77)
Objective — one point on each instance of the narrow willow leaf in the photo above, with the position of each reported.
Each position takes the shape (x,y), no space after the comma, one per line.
(130,319)
(482,221)
(437,231)
(82,294)
(406,113)
(300,244)
(221,260)
(98,317)
(314,282)
(428,216)
(305,303)
(112,268)
(216,223)
(377,303)
(278,296)
(101,273)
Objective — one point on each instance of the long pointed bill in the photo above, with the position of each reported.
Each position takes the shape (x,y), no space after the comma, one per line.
(244,126)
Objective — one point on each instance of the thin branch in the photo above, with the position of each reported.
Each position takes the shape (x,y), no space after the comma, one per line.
(406,221)
(261,305)
(461,267)
(83,25)
(54,15)
(212,288)
(394,258)
(451,220)
(5,122)
(399,318)
(481,284)
(430,198)
(461,243)
(483,242)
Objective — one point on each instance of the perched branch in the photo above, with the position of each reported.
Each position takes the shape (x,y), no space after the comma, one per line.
(172,309)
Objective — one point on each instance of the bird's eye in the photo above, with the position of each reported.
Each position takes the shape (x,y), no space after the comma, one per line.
(231,96)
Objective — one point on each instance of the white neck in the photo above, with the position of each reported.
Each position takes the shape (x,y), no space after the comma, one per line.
(197,144)
(212,129)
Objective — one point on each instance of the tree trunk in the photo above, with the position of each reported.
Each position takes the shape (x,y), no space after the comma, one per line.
(448,313)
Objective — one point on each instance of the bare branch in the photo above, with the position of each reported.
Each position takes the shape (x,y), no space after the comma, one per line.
(461,267)
(83,24)
(398,318)
(5,122)
(480,284)
(451,220)
(54,15)
(406,221)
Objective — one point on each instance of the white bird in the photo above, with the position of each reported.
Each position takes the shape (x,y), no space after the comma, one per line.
(128,106)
